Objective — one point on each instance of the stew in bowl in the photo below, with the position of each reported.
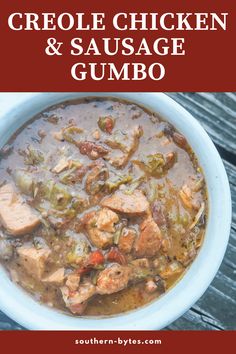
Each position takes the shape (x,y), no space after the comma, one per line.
(103,206)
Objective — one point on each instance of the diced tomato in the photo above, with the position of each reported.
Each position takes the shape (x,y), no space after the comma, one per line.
(96,258)
(106,124)
(114,255)
(109,125)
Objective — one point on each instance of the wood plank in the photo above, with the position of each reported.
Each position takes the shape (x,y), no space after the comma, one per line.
(195,321)
(213,114)
(217,307)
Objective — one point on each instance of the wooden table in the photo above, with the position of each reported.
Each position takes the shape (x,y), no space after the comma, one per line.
(216,309)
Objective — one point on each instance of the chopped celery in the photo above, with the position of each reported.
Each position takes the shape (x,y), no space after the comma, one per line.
(155,163)
(135,184)
(140,272)
(56,194)
(24,181)
(117,236)
(115,182)
(118,140)
(68,176)
(78,253)
(32,156)
(94,277)
(152,164)
(60,197)
(73,259)
(99,267)
(71,134)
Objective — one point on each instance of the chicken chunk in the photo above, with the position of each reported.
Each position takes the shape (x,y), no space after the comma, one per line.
(15,215)
(73,281)
(96,224)
(76,301)
(33,260)
(100,239)
(134,204)
(126,240)
(55,278)
(106,219)
(113,279)
(150,238)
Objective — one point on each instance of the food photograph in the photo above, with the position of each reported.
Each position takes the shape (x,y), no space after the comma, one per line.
(116,211)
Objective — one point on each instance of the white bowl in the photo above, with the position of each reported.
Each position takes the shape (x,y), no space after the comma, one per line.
(17,304)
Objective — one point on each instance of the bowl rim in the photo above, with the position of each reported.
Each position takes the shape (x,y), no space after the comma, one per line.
(19,306)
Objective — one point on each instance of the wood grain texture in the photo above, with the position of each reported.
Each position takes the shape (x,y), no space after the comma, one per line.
(216,309)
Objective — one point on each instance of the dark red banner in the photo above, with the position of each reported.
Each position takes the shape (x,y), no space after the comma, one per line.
(161,342)
(178,45)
